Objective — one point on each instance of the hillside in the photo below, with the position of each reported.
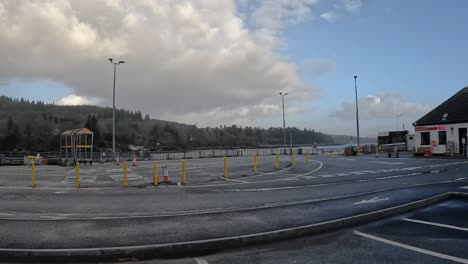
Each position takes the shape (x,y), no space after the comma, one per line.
(36,126)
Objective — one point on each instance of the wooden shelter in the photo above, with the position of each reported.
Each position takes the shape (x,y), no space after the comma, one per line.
(77,145)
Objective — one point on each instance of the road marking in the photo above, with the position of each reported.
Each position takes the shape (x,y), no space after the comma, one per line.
(342,174)
(373,200)
(459,179)
(436,224)
(201,261)
(233,180)
(230,184)
(386,162)
(326,175)
(464,187)
(416,249)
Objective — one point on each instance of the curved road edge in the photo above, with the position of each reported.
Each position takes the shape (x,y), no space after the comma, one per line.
(210,245)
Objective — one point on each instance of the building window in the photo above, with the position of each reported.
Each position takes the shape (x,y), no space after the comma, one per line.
(442,137)
(425,138)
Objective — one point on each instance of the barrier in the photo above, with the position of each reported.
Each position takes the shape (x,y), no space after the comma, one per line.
(184,172)
(125,179)
(277,160)
(33,174)
(225,168)
(155,173)
(77,175)
(166,174)
(255,164)
(307,155)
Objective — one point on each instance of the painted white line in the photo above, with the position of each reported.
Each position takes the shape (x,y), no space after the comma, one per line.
(436,224)
(201,261)
(342,174)
(416,249)
(373,200)
(233,180)
(326,175)
(459,179)
(385,162)
(283,179)
(464,187)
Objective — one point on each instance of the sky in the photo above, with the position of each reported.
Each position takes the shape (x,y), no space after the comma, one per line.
(211,62)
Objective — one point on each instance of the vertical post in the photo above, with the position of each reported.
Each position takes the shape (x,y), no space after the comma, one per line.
(125,179)
(225,168)
(293,157)
(184,173)
(77,175)
(277,160)
(357,110)
(113,116)
(255,164)
(307,155)
(33,173)
(155,173)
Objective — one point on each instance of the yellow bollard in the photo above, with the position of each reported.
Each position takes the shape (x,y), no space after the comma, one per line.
(33,173)
(307,155)
(277,160)
(293,157)
(77,175)
(255,164)
(184,172)
(225,168)
(125,174)
(155,173)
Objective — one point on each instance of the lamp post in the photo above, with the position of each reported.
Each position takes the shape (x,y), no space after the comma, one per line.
(113,107)
(284,123)
(357,110)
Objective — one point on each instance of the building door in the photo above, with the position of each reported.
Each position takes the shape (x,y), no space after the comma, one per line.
(463,141)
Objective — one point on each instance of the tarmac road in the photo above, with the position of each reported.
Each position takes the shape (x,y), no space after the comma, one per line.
(104,214)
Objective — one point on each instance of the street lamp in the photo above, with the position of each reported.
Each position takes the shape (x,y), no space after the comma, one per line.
(284,123)
(113,108)
(397,116)
(357,110)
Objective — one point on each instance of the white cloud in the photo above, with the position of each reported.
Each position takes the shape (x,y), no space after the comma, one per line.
(329,16)
(182,57)
(74,99)
(352,5)
(381,107)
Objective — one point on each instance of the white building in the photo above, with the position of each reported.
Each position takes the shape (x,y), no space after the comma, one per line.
(444,129)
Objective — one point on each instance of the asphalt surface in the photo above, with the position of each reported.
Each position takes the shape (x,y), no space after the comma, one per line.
(102,213)
(416,242)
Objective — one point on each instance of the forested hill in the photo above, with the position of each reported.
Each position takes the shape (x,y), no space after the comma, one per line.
(36,126)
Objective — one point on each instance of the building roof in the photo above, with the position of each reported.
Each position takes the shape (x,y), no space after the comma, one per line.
(77,131)
(453,110)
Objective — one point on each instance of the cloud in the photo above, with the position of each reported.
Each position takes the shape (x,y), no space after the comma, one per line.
(73,99)
(318,66)
(183,58)
(329,16)
(352,5)
(382,106)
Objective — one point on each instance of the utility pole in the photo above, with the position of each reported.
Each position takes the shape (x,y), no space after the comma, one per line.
(357,110)
(114,156)
(284,123)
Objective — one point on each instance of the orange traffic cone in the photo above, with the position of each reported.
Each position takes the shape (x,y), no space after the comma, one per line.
(134,163)
(166,174)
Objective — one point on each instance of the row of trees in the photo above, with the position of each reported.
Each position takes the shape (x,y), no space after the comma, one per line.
(36,126)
